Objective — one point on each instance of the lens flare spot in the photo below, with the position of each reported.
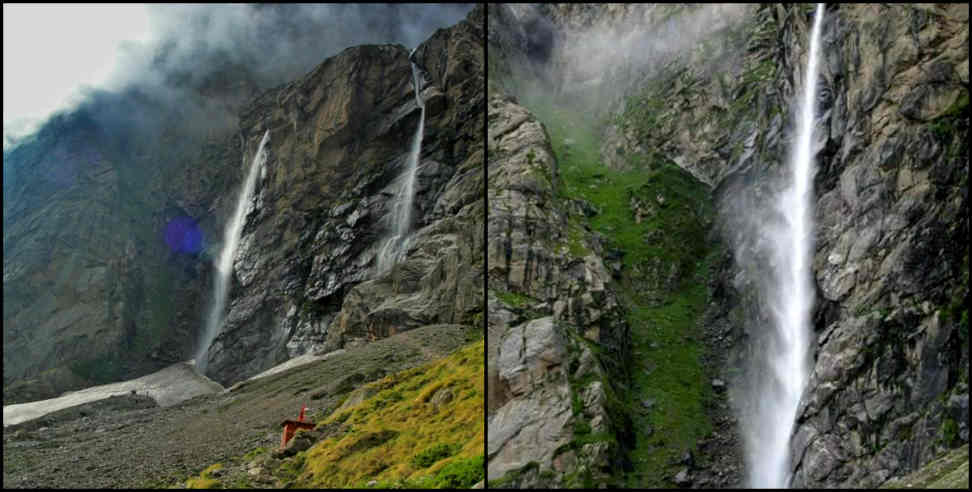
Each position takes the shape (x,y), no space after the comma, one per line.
(182,235)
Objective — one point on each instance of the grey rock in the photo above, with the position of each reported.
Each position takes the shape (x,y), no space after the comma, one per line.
(682,478)
(889,192)
(528,409)
(528,352)
(442,397)
(301,441)
(347,301)
(688,459)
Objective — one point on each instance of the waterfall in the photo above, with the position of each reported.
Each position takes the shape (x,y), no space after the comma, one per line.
(790,299)
(224,269)
(395,246)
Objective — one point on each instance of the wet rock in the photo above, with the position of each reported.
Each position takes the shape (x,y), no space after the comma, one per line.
(890,206)
(325,222)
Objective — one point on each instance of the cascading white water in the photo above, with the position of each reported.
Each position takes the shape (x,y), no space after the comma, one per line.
(224,269)
(395,246)
(790,300)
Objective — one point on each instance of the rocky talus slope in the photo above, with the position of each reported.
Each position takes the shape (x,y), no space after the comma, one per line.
(419,428)
(889,387)
(92,292)
(130,442)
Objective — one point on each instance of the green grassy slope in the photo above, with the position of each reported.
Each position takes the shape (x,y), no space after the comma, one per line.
(951,471)
(667,263)
(421,428)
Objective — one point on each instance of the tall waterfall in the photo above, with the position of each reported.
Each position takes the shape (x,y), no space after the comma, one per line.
(396,245)
(224,269)
(790,299)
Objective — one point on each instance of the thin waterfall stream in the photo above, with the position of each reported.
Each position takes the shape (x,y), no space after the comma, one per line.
(790,299)
(224,268)
(395,246)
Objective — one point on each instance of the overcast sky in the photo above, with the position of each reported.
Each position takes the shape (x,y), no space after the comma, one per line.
(52,51)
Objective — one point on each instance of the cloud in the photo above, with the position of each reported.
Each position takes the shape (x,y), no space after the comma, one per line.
(50,51)
(195,51)
(599,54)
(648,39)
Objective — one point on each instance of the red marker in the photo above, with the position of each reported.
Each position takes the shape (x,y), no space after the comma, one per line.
(291,426)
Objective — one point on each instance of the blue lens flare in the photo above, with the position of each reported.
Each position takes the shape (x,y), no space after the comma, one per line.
(182,235)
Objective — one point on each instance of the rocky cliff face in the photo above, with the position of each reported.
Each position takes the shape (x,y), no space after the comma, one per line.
(307,267)
(102,293)
(888,391)
(889,387)
(96,285)
(549,310)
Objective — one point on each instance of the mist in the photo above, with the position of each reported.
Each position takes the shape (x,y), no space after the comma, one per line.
(202,62)
(596,65)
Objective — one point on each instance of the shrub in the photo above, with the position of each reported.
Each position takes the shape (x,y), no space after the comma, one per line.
(434,453)
(460,474)
(204,481)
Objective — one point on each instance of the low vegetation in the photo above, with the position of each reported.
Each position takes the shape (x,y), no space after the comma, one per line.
(422,428)
(656,216)
(436,409)
(950,471)
(204,480)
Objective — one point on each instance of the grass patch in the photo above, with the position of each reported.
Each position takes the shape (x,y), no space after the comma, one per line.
(575,238)
(288,470)
(674,200)
(204,480)
(514,299)
(509,479)
(949,471)
(254,453)
(665,335)
(658,216)
(434,453)
(451,434)
(460,474)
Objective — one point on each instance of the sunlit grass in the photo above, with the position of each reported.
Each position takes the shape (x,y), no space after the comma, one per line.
(389,436)
(204,480)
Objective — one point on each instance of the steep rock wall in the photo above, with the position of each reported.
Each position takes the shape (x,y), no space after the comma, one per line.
(93,293)
(891,348)
(92,289)
(550,309)
(889,386)
(306,270)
